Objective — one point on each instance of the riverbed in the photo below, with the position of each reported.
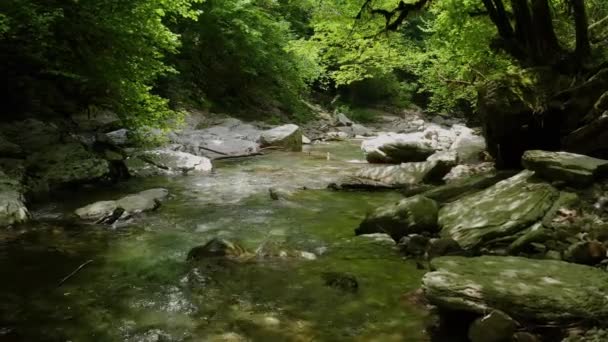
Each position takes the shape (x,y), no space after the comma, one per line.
(136,284)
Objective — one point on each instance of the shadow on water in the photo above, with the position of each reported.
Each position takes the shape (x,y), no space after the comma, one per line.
(139,286)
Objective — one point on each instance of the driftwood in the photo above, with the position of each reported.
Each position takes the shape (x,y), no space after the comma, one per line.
(78,269)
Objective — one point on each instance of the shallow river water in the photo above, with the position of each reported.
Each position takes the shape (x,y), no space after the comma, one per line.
(139,286)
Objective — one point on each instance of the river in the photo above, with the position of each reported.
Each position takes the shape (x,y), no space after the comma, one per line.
(139,287)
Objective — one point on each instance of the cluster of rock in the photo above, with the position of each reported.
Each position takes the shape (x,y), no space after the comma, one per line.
(432,155)
(37,158)
(543,232)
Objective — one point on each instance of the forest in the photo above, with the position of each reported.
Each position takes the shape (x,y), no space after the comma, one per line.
(304,170)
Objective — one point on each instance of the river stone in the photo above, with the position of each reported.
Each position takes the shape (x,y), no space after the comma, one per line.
(167,162)
(493,327)
(397,148)
(586,252)
(414,244)
(573,168)
(286,136)
(501,211)
(132,204)
(414,215)
(442,247)
(525,289)
(216,247)
(65,164)
(12,207)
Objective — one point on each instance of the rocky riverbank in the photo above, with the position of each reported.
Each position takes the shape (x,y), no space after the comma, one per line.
(505,249)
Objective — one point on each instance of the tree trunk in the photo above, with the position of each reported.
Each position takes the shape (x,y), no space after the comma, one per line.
(547,46)
(583,47)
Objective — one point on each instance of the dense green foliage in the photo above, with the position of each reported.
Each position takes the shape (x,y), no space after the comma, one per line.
(258,57)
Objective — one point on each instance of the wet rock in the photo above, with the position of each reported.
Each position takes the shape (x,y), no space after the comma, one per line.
(572,168)
(341,281)
(130,205)
(286,136)
(397,148)
(493,327)
(216,248)
(12,207)
(414,215)
(525,289)
(306,141)
(443,247)
(65,164)
(464,172)
(166,162)
(414,244)
(499,212)
(586,253)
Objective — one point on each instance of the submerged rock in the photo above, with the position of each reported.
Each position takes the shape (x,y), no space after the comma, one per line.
(499,212)
(341,281)
(414,215)
(539,291)
(216,248)
(572,168)
(286,136)
(106,211)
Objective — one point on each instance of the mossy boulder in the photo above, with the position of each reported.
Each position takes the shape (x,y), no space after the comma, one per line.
(123,208)
(65,164)
(414,215)
(576,169)
(166,162)
(498,213)
(531,291)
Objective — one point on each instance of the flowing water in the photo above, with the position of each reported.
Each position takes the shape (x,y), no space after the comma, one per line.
(139,286)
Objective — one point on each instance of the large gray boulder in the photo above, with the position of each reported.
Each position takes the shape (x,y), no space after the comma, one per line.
(405,175)
(500,212)
(527,290)
(412,215)
(397,148)
(229,138)
(64,164)
(573,168)
(124,207)
(286,136)
(166,162)
(12,207)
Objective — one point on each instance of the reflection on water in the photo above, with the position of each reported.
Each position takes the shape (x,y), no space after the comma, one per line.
(140,288)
